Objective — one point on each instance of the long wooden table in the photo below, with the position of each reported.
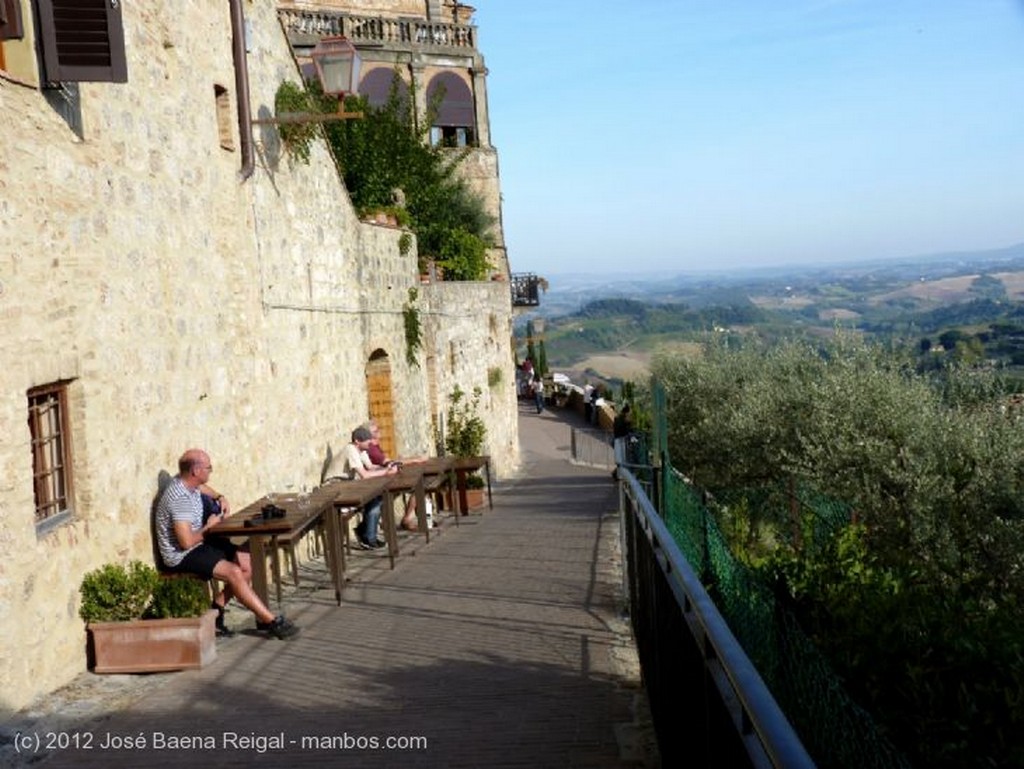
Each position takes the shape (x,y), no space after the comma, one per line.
(421,478)
(352,494)
(329,503)
(301,512)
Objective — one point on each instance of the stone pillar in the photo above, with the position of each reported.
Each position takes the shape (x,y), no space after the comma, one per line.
(483,117)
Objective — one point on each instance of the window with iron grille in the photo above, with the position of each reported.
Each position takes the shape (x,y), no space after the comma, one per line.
(51,450)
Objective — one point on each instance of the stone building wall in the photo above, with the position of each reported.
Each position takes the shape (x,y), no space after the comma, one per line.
(188,308)
(470,328)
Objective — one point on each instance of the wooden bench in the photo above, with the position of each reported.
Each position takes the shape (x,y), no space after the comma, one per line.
(288,542)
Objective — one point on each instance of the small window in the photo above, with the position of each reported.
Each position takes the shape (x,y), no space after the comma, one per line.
(82,40)
(224,132)
(51,451)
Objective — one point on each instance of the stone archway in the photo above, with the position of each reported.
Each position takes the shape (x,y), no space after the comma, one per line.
(380,397)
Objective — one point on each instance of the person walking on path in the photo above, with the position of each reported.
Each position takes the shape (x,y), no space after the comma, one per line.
(537,388)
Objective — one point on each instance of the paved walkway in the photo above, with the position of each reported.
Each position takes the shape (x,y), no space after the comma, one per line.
(499,644)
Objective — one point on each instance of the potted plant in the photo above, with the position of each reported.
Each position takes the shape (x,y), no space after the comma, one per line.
(466,436)
(138,622)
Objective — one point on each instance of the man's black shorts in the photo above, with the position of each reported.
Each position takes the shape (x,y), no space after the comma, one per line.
(204,557)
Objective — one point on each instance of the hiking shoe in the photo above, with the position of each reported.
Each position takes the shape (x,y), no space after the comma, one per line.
(380,543)
(223,631)
(279,627)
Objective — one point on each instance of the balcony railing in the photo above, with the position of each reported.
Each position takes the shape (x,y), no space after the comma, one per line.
(393,33)
(525,290)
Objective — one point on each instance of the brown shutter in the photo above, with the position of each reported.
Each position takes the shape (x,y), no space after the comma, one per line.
(82,40)
(10,20)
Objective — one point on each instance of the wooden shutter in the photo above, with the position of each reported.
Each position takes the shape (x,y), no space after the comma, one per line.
(10,20)
(82,40)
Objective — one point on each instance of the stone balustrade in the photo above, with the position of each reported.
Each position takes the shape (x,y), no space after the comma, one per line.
(393,32)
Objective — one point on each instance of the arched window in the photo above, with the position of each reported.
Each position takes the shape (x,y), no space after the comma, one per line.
(376,86)
(455,122)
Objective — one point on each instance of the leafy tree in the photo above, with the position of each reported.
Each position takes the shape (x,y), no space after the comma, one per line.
(915,593)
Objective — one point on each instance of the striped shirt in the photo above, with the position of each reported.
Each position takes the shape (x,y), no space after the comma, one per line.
(178,503)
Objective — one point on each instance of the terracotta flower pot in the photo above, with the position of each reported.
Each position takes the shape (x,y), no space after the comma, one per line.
(152,645)
(474,499)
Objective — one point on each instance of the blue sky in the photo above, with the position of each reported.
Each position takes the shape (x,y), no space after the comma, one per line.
(689,135)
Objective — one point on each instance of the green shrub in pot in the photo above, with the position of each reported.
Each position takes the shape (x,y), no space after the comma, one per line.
(120,593)
(117,593)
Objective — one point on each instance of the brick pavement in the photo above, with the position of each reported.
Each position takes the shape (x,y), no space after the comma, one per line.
(501,643)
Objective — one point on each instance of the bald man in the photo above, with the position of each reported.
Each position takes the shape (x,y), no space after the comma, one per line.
(180,534)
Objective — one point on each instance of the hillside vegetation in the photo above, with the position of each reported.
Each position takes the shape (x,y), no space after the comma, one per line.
(916,593)
(967,312)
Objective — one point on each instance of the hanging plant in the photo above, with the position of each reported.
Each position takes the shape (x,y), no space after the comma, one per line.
(297,138)
(413,329)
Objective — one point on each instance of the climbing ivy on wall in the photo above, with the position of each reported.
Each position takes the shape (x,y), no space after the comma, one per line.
(386,152)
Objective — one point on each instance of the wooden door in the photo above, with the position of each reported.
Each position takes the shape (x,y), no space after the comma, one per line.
(381,400)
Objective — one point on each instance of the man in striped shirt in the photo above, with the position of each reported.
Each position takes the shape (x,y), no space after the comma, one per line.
(180,532)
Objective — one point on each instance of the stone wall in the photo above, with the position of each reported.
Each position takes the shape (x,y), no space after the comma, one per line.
(469,325)
(190,308)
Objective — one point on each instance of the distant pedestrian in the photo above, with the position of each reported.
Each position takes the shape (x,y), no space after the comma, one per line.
(537,388)
(525,378)
(588,406)
(596,401)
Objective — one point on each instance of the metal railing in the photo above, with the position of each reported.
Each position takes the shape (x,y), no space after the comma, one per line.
(690,659)
(525,289)
(591,447)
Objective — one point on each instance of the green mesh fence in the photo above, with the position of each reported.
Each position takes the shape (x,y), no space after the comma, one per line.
(833,728)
